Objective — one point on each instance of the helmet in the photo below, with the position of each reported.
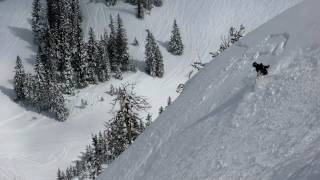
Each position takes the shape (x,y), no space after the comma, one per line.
(254,64)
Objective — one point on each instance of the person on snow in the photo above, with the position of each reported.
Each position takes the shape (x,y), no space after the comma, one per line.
(261,69)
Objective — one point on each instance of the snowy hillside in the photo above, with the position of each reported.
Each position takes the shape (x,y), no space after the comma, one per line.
(228,125)
(33,146)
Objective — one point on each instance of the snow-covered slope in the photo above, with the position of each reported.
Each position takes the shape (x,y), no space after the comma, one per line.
(33,146)
(229,126)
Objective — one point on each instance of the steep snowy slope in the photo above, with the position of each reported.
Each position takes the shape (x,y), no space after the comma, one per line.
(227,125)
(33,146)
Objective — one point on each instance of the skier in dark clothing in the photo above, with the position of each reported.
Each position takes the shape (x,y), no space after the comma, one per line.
(261,69)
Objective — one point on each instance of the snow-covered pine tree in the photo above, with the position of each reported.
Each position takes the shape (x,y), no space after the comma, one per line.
(60,175)
(140,9)
(105,39)
(60,34)
(98,156)
(19,79)
(80,66)
(159,62)
(112,46)
(148,4)
(122,45)
(103,139)
(130,106)
(68,80)
(153,57)
(57,102)
(36,13)
(40,88)
(52,55)
(28,88)
(92,50)
(176,46)
(117,136)
(150,54)
(158,3)
(118,74)
(104,71)
(78,59)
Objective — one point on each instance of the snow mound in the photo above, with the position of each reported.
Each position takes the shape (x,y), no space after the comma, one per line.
(229,125)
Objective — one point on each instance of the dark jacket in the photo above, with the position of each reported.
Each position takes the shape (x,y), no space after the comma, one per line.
(261,69)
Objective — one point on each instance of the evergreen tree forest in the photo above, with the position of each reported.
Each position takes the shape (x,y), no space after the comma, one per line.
(118,135)
(64,61)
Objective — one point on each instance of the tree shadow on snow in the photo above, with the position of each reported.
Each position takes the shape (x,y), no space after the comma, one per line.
(25,35)
(140,65)
(31,59)
(126,11)
(8,92)
(11,95)
(164,44)
(96,1)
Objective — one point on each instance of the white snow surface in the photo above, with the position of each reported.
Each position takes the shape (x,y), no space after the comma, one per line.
(189,136)
(228,125)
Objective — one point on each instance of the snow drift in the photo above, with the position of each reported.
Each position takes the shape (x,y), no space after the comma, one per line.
(228,125)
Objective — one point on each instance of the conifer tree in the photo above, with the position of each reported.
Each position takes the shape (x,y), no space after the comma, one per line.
(175,44)
(19,79)
(112,46)
(53,55)
(158,3)
(28,88)
(60,175)
(78,59)
(68,77)
(36,8)
(150,54)
(104,70)
(116,133)
(148,4)
(92,50)
(80,65)
(57,102)
(159,62)
(153,57)
(127,117)
(36,19)
(140,9)
(122,46)
(40,88)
